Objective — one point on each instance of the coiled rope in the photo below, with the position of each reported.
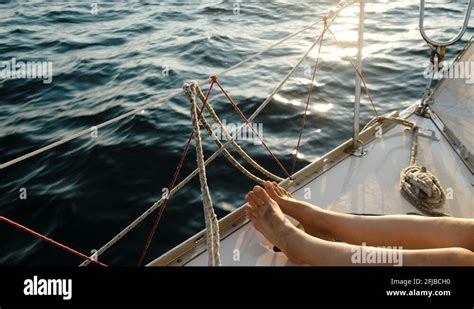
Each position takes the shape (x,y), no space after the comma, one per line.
(212,225)
(420,187)
(417,185)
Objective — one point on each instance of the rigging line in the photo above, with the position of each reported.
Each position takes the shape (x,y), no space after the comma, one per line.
(237,109)
(173,182)
(367,91)
(49,240)
(235,145)
(180,185)
(159,203)
(303,120)
(212,224)
(149,105)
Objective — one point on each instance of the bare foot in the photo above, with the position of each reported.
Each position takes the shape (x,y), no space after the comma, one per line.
(284,198)
(310,216)
(267,217)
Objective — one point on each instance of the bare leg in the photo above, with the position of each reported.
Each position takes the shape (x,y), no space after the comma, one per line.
(410,232)
(268,218)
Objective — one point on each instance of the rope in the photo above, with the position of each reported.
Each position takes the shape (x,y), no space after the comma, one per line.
(247,121)
(49,240)
(236,146)
(219,144)
(417,185)
(303,120)
(420,187)
(212,225)
(228,155)
(162,202)
(436,58)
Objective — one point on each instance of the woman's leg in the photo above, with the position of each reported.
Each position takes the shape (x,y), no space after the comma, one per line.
(302,248)
(409,232)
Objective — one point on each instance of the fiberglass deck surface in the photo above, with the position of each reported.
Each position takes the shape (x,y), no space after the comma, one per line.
(367,185)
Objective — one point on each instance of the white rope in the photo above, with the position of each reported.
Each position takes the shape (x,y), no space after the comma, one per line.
(234,144)
(212,224)
(332,15)
(226,153)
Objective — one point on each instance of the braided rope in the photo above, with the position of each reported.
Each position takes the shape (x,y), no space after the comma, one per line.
(228,155)
(180,185)
(235,145)
(333,14)
(417,185)
(212,224)
(420,187)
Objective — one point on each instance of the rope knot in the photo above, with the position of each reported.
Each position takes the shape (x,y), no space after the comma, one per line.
(190,89)
(422,189)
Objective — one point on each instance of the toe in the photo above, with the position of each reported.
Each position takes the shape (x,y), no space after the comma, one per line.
(267,184)
(257,201)
(270,190)
(251,199)
(287,192)
(262,194)
(249,209)
(282,191)
(278,192)
(248,196)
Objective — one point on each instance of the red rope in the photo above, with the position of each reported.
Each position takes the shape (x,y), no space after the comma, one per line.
(303,120)
(237,109)
(173,182)
(51,241)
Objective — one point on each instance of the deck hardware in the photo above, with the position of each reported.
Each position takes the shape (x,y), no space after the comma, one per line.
(431,135)
(94,255)
(454,39)
(358,151)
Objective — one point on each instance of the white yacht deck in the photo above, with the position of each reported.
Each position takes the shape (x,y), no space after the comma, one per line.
(363,185)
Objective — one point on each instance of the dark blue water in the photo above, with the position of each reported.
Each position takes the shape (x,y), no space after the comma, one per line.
(86,191)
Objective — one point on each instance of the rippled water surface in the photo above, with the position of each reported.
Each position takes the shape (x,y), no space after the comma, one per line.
(104,65)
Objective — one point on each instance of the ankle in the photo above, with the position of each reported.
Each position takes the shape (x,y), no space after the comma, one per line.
(286,234)
(316,221)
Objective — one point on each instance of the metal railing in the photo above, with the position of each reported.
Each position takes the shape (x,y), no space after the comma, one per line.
(454,39)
